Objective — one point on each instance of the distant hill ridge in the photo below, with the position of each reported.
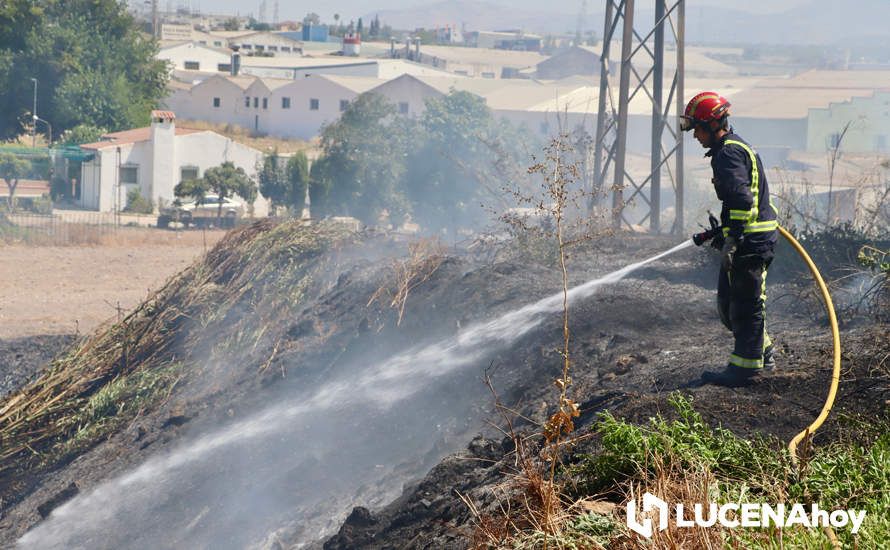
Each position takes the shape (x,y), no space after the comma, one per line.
(816,22)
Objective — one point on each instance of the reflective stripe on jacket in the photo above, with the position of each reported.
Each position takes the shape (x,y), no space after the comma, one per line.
(741,185)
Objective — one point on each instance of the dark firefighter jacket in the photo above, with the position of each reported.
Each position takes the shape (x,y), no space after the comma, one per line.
(740,182)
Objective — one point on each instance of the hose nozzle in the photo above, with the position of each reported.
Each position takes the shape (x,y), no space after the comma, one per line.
(708,234)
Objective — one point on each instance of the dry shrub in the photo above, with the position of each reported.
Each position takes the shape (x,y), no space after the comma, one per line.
(424,258)
(675,485)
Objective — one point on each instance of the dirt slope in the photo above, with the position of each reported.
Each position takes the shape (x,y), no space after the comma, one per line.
(634,342)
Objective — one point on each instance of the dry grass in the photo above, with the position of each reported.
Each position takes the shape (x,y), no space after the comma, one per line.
(81,234)
(251,139)
(262,268)
(424,258)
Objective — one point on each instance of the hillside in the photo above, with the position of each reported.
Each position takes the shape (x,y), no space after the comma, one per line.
(287,378)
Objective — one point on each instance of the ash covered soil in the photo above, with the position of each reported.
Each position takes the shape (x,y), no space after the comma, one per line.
(23,359)
(392,468)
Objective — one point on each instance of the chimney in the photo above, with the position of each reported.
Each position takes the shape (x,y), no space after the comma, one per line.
(163,150)
(235,66)
(392,48)
(417,49)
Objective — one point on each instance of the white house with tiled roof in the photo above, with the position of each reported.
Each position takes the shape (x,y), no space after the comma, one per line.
(154,159)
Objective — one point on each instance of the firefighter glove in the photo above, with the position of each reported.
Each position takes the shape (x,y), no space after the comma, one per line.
(730,245)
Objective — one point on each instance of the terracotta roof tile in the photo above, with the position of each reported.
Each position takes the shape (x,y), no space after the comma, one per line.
(128,137)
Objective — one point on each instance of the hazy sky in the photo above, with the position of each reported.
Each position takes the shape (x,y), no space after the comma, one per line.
(351,9)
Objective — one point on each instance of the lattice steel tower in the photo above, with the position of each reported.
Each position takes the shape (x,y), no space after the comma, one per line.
(641,47)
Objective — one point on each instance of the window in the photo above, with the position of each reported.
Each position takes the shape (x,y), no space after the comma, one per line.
(224,67)
(245,46)
(256,103)
(216,102)
(273,48)
(487,75)
(259,48)
(129,175)
(192,66)
(344,103)
(265,103)
(188,173)
(313,104)
(285,103)
(217,43)
(285,48)
(403,107)
(247,101)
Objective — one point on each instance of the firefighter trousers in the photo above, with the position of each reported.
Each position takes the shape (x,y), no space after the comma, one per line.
(741,302)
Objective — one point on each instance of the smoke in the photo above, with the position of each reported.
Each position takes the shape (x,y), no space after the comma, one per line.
(309,456)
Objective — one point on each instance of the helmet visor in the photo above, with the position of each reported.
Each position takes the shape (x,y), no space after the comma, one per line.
(686,123)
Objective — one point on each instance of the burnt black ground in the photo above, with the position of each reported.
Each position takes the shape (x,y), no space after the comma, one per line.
(22,359)
(633,343)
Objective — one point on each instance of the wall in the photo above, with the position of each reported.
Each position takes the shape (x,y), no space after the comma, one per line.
(99,177)
(408,90)
(364,68)
(200,150)
(207,58)
(205,150)
(776,132)
(197,104)
(267,42)
(299,121)
(869,131)
(575,61)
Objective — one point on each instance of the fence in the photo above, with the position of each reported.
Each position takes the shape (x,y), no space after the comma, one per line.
(57,230)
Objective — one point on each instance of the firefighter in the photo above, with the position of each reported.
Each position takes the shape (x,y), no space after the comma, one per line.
(747,241)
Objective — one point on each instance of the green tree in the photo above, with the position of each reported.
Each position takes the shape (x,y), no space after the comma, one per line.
(320,185)
(359,27)
(225,180)
(255,25)
(231,24)
(82,133)
(364,162)
(452,171)
(12,168)
(285,185)
(297,172)
(92,65)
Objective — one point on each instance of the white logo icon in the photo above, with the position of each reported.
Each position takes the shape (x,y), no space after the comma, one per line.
(733,514)
(650,502)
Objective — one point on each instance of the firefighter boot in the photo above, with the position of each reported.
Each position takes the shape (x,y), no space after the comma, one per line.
(769,358)
(731,377)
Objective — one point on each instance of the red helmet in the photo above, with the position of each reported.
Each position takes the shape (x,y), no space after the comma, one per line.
(704,108)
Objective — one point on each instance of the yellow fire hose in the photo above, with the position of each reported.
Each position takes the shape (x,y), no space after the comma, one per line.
(835,334)
(836,372)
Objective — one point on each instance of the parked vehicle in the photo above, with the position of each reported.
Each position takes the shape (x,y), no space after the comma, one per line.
(205,213)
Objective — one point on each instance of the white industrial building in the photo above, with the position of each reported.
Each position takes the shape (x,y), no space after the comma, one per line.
(284,108)
(264,42)
(192,56)
(153,160)
(282,67)
(544,109)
